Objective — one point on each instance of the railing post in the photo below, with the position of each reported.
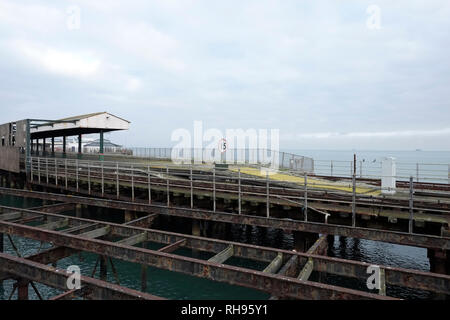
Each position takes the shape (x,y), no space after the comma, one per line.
(31,168)
(117,181)
(56,171)
(360,169)
(417,172)
(268,188)
(103,179)
(149,185)
(331,167)
(353,200)
(306,197)
(89,177)
(132,183)
(76,168)
(214,188)
(65,169)
(411,204)
(192,188)
(168,187)
(46,168)
(39,170)
(239,190)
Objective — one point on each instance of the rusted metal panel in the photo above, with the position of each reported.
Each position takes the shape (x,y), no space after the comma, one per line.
(57,278)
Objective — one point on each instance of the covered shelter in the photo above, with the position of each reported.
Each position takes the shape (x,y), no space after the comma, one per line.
(92,123)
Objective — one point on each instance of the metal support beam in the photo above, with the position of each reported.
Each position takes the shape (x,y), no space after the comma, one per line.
(307,270)
(275,265)
(348,268)
(131,241)
(173,246)
(221,257)
(418,240)
(57,278)
(102,153)
(64,146)
(79,146)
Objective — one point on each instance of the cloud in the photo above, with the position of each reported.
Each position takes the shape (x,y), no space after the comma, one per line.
(310,68)
(57,61)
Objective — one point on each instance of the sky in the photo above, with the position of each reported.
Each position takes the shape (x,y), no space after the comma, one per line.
(369,75)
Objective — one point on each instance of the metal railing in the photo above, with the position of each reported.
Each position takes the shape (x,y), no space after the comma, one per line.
(283,160)
(422,172)
(236,183)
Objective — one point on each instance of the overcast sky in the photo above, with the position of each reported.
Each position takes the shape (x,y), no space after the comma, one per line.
(328,74)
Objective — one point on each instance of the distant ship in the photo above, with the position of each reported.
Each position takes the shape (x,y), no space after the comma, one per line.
(418,149)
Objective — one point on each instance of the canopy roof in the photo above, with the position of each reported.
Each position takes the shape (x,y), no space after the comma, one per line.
(82,124)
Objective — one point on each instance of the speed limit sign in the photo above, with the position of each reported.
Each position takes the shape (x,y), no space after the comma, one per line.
(223,145)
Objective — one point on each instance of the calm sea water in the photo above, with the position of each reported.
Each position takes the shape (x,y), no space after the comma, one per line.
(428,166)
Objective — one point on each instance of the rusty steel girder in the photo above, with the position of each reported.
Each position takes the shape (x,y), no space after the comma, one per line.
(418,240)
(275,284)
(57,278)
(349,268)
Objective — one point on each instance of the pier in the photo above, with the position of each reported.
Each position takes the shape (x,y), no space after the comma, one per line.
(145,192)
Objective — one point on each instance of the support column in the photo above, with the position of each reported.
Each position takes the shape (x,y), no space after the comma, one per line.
(53,146)
(1,251)
(304,240)
(79,146)
(438,261)
(22,289)
(103,268)
(43,147)
(79,210)
(195,228)
(144,272)
(102,156)
(64,146)
(129,216)
(330,241)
